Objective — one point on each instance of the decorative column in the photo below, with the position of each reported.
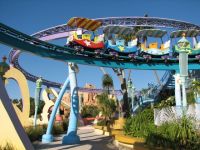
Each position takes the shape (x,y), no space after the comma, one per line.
(183,64)
(184,46)
(177,89)
(71,137)
(48,137)
(37,98)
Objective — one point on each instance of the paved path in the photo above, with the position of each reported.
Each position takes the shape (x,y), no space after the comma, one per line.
(89,141)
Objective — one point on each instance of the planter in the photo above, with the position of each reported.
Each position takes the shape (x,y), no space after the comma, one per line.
(102,130)
(88,120)
(98,127)
(116,132)
(129,140)
(119,124)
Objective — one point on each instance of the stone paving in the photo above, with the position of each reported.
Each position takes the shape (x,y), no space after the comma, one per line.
(89,141)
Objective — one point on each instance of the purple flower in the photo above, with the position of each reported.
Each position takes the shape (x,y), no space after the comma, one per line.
(197,56)
(115,54)
(132,56)
(98,51)
(147,57)
(165,57)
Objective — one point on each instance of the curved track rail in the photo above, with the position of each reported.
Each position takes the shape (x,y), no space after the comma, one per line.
(61,31)
(11,37)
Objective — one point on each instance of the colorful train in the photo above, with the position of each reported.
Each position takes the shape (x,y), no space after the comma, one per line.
(90,35)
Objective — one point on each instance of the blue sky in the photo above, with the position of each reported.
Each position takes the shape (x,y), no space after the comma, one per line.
(30,16)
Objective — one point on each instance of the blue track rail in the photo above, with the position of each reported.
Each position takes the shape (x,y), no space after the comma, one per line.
(16,39)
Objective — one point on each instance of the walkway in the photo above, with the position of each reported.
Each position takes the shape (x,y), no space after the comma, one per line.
(89,141)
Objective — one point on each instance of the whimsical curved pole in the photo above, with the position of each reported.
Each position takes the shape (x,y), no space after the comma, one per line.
(37,98)
(71,137)
(48,137)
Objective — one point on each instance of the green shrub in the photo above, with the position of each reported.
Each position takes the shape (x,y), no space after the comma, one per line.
(101,123)
(141,124)
(89,111)
(166,103)
(65,125)
(8,146)
(36,133)
(180,134)
(57,129)
(190,97)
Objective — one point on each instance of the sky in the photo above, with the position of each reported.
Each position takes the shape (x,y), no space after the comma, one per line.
(30,16)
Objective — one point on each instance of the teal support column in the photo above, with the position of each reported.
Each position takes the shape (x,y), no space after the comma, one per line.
(48,137)
(71,137)
(37,99)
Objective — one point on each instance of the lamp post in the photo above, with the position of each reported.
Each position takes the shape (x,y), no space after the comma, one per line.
(3,68)
(184,46)
(37,98)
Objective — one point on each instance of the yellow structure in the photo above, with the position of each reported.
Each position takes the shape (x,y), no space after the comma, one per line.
(18,76)
(119,124)
(11,130)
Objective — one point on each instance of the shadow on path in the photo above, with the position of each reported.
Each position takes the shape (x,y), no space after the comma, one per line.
(89,141)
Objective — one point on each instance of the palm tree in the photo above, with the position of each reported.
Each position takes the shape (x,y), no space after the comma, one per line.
(107,82)
(107,106)
(196,88)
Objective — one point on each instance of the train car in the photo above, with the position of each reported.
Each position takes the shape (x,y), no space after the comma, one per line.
(153,48)
(120,40)
(183,44)
(83,41)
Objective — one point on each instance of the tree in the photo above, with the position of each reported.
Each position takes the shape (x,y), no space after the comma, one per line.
(196,88)
(89,111)
(107,82)
(107,106)
(19,104)
(121,75)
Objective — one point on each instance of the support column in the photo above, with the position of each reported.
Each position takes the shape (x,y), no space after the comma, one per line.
(178,94)
(177,90)
(71,137)
(184,92)
(48,137)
